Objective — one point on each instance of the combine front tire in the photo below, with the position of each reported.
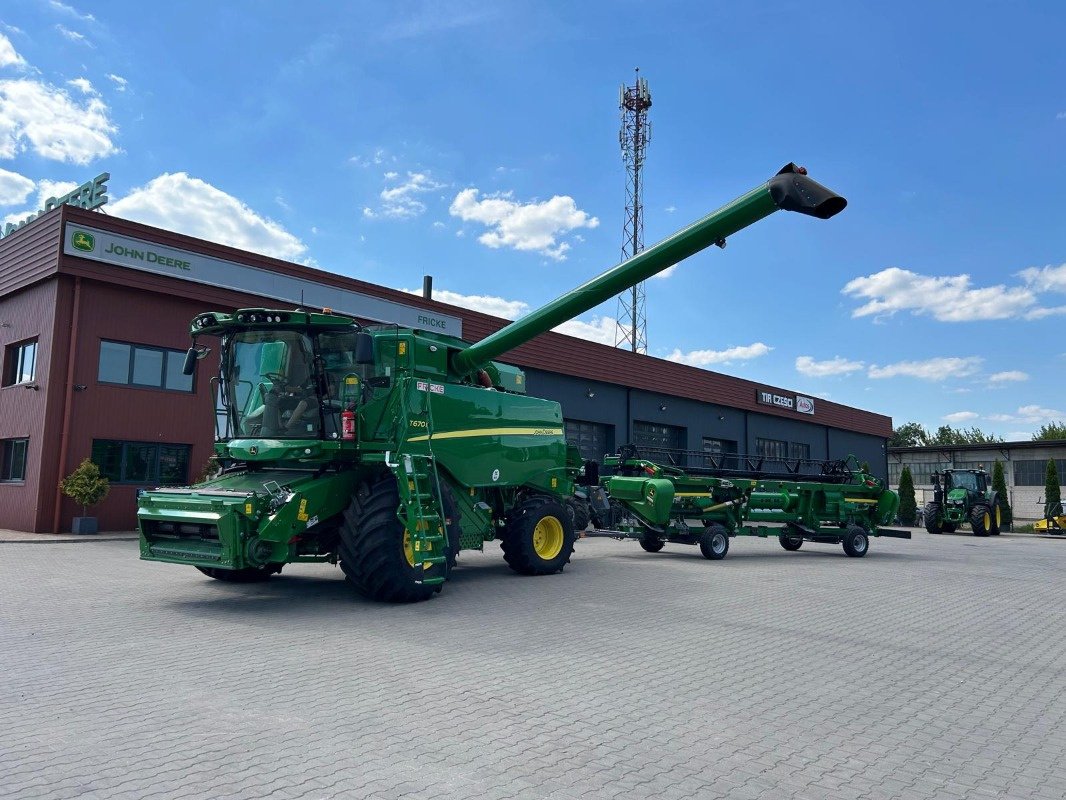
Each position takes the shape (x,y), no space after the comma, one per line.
(856,542)
(246,575)
(539,537)
(792,543)
(932,518)
(714,543)
(981,520)
(375,549)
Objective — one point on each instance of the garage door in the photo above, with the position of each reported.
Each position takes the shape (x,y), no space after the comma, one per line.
(594,439)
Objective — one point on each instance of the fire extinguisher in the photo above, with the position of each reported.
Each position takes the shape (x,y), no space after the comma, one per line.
(348,423)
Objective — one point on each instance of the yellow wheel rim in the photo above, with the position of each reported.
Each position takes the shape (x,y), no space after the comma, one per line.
(999,516)
(408,548)
(548,538)
(988,520)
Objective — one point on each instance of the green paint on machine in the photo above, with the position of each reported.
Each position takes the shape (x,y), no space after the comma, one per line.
(386,449)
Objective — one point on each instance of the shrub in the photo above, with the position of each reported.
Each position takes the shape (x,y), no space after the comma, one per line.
(999,486)
(85,485)
(908,506)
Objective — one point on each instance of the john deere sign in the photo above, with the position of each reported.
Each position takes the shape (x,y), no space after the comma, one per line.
(123,251)
(91,194)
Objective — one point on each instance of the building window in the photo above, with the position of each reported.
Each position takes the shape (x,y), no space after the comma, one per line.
(718,447)
(14,466)
(799,450)
(771,448)
(142,462)
(20,362)
(1034,472)
(138,365)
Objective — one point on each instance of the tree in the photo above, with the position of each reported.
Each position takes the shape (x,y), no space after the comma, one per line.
(909,434)
(999,486)
(947,436)
(85,485)
(908,506)
(1052,490)
(1052,430)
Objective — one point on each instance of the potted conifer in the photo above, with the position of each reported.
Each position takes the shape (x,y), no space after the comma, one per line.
(86,487)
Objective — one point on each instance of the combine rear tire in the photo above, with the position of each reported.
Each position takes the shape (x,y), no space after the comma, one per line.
(932,518)
(856,542)
(375,550)
(538,538)
(651,544)
(981,520)
(792,543)
(246,575)
(579,513)
(714,543)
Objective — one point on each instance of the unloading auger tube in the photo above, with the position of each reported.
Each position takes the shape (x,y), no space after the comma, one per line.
(790,190)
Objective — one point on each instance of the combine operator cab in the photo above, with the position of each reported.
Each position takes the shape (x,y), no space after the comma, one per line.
(963,496)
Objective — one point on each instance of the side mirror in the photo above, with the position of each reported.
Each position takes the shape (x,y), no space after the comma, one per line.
(364,348)
(189,367)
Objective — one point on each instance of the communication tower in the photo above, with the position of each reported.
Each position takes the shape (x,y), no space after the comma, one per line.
(633,103)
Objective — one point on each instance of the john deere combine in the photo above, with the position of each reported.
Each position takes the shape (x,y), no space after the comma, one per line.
(963,497)
(389,449)
(839,503)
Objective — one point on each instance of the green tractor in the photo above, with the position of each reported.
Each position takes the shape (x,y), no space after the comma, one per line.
(388,450)
(960,497)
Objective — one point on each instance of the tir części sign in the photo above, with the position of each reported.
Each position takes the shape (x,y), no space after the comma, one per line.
(800,403)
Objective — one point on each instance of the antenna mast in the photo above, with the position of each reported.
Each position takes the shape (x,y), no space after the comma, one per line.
(633,103)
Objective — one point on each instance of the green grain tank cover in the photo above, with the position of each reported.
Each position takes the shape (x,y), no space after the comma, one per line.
(508,378)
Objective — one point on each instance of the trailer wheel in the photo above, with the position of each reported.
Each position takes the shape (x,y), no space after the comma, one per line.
(981,520)
(791,543)
(652,544)
(932,518)
(714,543)
(375,550)
(856,542)
(538,538)
(246,575)
(579,513)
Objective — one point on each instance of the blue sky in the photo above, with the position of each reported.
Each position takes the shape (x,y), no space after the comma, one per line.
(478,142)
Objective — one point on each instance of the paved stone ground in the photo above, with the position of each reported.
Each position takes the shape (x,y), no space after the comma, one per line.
(929,669)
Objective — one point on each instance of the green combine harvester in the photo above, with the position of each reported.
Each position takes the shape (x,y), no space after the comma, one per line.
(964,497)
(705,506)
(388,450)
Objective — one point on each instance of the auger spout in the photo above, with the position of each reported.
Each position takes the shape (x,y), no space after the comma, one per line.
(789,190)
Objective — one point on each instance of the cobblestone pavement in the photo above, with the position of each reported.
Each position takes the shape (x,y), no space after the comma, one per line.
(929,669)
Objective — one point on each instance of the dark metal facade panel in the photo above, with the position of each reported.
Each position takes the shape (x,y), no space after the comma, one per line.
(31,253)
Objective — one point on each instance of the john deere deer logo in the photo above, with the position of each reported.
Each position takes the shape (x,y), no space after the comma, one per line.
(83,241)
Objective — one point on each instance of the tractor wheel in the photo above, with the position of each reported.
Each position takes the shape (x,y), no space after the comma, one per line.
(375,548)
(580,513)
(997,518)
(949,527)
(792,543)
(932,518)
(651,544)
(538,538)
(856,542)
(981,520)
(714,543)
(246,575)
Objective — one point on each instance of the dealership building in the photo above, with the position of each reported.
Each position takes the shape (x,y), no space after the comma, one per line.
(94,320)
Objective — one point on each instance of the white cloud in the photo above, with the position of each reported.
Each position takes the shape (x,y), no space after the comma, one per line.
(529,226)
(83,85)
(52,123)
(379,156)
(947,299)
(486,304)
(1044,279)
(8,56)
(439,225)
(1010,375)
(74,36)
(1032,415)
(1061,115)
(666,273)
(705,358)
(806,365)
(933,369)
(402,201)
(599,329)
(670,209)
(196,208)
(120,82)
(46,190)
(960,416)
(14,188)
(58,6)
